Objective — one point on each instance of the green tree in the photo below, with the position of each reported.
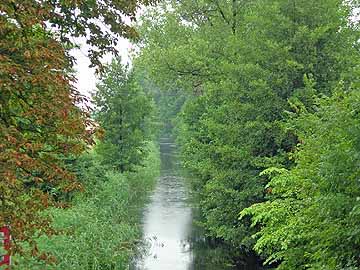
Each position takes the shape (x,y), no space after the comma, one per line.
(311,218)
(125,112)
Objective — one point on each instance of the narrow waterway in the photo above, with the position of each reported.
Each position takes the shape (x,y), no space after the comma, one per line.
(168,228)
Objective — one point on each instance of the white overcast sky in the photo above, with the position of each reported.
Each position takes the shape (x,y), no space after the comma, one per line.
(86,79)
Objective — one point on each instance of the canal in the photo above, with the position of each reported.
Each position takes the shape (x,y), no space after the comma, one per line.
(171,238)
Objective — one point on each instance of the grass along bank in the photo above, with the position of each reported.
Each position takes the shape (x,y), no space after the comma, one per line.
(102,228)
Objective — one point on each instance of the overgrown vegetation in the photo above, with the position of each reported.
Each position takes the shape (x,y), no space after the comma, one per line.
(311,217)
(263,97)
(247,70)
(101,230)
(46,131)
(41,126)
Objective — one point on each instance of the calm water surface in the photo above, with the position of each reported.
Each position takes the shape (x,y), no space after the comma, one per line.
(168,222)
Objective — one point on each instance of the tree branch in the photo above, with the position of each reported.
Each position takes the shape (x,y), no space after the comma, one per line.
(221,12)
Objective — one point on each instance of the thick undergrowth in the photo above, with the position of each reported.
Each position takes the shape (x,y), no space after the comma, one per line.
(101,229)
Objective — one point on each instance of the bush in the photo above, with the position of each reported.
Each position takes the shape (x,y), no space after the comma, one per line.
(311,220)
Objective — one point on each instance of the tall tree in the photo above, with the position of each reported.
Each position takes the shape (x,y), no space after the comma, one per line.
(124,111)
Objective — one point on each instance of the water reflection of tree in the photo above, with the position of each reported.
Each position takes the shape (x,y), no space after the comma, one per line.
(209,254)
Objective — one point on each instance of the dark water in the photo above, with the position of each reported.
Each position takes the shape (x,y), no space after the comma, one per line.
(173,241)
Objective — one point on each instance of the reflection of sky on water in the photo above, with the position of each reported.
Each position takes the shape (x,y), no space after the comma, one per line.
(174,242)
(168,219)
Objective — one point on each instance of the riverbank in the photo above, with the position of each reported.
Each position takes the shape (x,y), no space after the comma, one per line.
(101,229)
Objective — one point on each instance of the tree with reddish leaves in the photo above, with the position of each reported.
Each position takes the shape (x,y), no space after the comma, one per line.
(40,123)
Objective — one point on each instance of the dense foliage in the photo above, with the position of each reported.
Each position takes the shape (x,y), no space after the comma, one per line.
(101,230)
(311,218)
(40,124)
(245,65)
(125,112)
(116,175)
(263,97)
